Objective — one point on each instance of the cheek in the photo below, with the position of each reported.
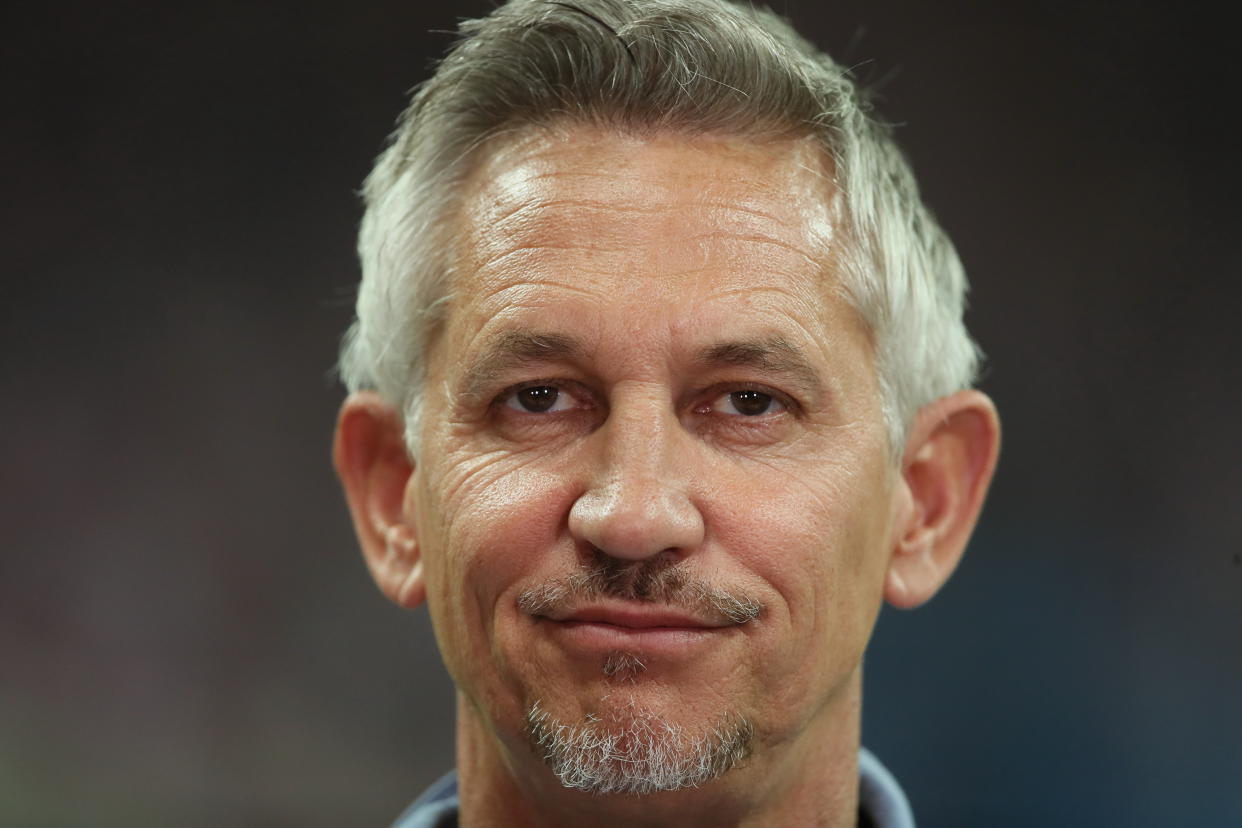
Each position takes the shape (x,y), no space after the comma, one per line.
(495,519)
(815,534)
(801,523)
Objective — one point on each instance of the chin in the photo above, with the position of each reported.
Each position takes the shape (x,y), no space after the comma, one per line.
(627,748)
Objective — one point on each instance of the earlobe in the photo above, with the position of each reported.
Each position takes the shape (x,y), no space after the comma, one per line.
(374,468)
(950,456)
(404,567)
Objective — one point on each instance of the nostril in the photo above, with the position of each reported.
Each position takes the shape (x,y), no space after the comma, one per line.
(651,579)
(631,522)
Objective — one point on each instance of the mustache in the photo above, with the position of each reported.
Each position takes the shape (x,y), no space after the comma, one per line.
(653,581)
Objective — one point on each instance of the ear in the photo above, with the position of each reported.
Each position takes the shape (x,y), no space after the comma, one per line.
(948,462)
(373,466)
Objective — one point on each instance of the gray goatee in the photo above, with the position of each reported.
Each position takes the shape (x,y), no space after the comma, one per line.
(636,752)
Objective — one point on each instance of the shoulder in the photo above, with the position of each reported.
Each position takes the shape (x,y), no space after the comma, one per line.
(435,808)
(881,801)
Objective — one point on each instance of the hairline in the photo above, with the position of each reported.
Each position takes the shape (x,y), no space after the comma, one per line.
(897,267)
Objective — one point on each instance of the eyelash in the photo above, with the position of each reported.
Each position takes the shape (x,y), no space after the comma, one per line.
(560,386)
(786,403)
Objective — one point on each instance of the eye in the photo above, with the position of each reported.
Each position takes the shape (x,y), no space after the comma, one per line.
(538,399)
(747,403)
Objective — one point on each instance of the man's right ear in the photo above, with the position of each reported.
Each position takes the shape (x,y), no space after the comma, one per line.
(374,468)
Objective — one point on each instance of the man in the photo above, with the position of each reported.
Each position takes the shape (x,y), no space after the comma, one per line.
(659,387)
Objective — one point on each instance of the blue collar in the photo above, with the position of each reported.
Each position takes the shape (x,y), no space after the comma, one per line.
(881,802)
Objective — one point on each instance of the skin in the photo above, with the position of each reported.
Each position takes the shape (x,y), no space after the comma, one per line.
(639,258)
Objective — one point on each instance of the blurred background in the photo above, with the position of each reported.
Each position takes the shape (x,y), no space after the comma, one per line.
(188,635)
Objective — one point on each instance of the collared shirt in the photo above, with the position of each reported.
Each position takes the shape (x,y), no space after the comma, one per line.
(881,802)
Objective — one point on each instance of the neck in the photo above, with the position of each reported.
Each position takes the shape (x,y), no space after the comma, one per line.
(807,778)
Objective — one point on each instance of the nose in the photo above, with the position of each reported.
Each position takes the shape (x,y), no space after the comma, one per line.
(637,503)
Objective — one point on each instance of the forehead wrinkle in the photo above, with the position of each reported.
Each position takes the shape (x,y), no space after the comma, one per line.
(766,294)
(509,194)
(640,185)
(533,154)
(497,259)
(513,207)
(734,207)
(493,287)
(540,228)
(540,205)
(756,238)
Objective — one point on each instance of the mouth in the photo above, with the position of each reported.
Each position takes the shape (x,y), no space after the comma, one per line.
(602,628)
(633,617)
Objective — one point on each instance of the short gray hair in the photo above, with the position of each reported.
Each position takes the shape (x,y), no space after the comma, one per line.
(694,66)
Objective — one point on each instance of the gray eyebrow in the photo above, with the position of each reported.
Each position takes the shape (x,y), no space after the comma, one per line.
(508,349)
(774,355)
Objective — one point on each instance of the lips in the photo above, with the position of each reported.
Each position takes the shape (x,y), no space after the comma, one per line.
(636,618)
(633,618)
(668,633)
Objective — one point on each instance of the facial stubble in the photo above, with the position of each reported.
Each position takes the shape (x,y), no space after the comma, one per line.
(628,748)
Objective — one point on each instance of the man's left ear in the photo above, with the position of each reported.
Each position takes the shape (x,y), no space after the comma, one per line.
(949,458)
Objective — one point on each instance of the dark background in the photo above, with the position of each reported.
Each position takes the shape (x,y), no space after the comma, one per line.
(188,634)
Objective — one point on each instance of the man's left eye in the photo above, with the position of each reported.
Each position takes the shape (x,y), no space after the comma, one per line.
(748,404)
(539,399)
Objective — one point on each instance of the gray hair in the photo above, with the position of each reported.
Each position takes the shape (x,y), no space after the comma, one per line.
(694,66)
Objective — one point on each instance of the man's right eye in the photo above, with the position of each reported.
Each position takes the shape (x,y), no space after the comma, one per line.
(538,399)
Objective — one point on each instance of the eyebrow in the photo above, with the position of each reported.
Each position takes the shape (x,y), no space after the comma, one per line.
(774,355)
(507,350)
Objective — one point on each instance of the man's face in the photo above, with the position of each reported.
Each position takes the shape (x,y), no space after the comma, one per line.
(649,371)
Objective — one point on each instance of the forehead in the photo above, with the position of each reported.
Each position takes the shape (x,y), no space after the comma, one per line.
(692,232)
(614,191)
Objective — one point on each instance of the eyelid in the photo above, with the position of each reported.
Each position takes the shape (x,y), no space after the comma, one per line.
(575,390)
(788,403)
(773,401)
(712,397)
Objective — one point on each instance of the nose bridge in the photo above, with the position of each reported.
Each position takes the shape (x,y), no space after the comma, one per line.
(638,502)
(641,442)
